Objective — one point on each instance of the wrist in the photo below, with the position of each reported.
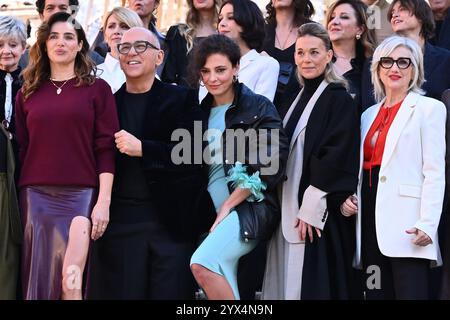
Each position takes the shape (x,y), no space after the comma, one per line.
(140,149)
(105,201)
(226,206)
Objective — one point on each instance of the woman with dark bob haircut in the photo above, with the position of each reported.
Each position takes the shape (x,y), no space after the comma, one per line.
(65,124)
(243,22)
(242,183)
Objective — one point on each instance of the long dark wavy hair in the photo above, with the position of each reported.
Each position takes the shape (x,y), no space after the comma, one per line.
(38,70)
(304,10)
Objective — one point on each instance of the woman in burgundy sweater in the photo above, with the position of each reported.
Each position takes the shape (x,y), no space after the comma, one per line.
(65,124)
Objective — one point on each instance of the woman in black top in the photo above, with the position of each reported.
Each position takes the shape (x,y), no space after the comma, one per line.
(12,46)
(201,21)
(283,19)
(353,42)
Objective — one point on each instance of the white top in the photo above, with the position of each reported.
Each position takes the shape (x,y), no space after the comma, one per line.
(8,97)
(111,72)
(258,72)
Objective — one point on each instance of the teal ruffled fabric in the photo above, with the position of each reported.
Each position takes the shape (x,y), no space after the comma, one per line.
(239,177)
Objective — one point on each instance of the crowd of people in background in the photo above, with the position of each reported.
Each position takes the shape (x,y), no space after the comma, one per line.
(242,155)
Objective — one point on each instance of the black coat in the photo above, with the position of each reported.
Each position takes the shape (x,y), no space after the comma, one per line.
(176,66)
(257,220)
(178,191)
(443,38)
(16,85)
(331,163)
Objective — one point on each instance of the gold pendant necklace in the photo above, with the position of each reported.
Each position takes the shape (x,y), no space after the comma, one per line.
(59,88)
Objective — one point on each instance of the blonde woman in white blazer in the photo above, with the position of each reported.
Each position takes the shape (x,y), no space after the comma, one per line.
(115,23)
(401,186)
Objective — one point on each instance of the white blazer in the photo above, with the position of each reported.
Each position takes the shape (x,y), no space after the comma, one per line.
(258,72)
(111,72)
(412,178)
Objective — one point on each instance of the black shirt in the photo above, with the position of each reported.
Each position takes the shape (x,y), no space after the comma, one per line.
(287,82)
(310,87)
(354,79)
(130,183)
(176,67)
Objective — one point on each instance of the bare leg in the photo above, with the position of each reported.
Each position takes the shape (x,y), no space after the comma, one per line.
(75,258)
(215,286)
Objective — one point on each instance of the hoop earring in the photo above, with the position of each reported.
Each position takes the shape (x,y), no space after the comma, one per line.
(358,36)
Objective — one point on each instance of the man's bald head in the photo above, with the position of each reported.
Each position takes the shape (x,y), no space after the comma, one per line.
(140,34)
(140,66)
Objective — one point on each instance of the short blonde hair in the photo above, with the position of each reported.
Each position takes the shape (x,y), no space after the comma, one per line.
(124,15)
(384,50)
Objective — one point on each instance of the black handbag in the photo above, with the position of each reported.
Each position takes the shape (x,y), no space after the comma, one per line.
(286,70)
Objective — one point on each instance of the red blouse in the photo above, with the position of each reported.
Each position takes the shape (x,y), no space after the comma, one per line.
(376,137)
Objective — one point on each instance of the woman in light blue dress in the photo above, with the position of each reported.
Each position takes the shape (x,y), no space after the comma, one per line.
(247,152)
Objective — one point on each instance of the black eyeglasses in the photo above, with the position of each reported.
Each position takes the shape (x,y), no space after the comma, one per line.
(139,47)
(388,62)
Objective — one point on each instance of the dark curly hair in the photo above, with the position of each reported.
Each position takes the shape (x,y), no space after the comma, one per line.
(40,5)
(422,11)
(304,10)
(214,44)
(249,17)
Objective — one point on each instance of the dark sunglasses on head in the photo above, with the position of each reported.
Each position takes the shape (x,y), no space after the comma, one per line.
(388,62)
(139,47)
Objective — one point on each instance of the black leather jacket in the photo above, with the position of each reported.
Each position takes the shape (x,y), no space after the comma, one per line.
(258,220)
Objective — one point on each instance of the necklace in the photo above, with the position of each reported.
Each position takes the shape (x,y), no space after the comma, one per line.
(282,47)
(341,57)
(59,88)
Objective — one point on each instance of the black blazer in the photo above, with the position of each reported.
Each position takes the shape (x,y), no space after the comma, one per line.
(176,67)
(443,38)
(177,190)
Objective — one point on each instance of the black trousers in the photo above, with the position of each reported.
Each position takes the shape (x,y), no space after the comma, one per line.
(400,278)
(138,259)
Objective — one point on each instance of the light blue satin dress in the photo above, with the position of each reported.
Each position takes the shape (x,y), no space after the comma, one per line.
(221,250)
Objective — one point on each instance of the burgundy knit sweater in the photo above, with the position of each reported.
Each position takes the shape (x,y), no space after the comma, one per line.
(66,139)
